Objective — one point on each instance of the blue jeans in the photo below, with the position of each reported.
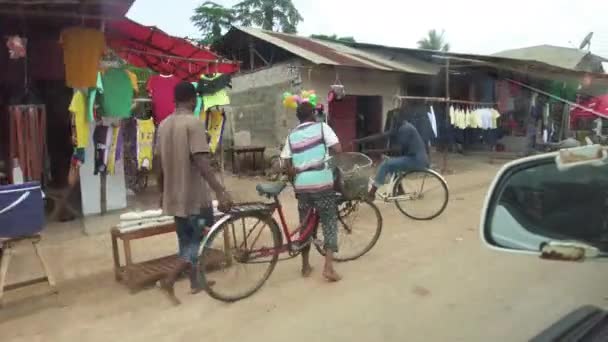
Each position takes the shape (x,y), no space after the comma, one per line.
(189,235)
(398,164)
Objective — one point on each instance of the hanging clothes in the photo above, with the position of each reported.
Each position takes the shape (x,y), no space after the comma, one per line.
(100,139)
(117,96)
(82,51)
(113,151)
(145,143)
(213,90)
(433,120)
(161,88)
(215,128)
(80,124)
(199,103)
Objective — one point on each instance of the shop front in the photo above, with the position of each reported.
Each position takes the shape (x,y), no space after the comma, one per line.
(72,111)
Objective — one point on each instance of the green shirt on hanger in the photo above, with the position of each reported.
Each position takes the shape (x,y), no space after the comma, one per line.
(117,93)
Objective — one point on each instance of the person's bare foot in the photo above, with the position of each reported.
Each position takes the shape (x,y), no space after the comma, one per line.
(196,290)
(306,271)
(331,276)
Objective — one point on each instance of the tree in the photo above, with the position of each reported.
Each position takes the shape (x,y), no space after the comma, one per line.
(434,41)
(334,38)
(212,19)
(271,15)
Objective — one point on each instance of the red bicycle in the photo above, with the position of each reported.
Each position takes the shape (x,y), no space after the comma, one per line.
(250,241)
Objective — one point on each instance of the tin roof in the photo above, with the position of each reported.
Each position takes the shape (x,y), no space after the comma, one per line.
(563,57)
(329,53)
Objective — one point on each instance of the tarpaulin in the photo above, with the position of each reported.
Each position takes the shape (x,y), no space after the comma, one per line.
(150,47)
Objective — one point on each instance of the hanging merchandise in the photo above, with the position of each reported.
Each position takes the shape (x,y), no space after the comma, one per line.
(161,88)
(336,92)
(27,127)
(16,47)
(133,79)
(145,143)
(292,101)
(92,98)
(80,124)
(114,149)
(199,102)
(82,51)
(100,139)
(117,96)
(212,87)
(215,128)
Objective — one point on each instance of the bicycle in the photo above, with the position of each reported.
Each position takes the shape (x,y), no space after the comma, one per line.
(258,245)
(399,190)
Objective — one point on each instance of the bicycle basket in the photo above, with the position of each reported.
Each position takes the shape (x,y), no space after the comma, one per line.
(353,172)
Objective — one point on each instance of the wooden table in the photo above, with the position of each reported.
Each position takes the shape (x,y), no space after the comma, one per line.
(139,275)
(237,151)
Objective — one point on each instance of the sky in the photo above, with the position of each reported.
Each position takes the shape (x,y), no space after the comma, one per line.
(471,26)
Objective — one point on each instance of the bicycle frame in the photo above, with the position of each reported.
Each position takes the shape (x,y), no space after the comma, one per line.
(311,223)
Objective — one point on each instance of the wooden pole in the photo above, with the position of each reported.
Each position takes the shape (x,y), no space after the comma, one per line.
(444,168)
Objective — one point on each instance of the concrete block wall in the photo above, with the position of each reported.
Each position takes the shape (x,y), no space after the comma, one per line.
(256,105)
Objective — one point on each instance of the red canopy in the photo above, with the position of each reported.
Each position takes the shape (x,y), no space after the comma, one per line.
(150,47)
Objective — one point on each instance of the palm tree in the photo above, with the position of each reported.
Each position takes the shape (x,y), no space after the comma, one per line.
(212,19)
(434,41)
(269,14)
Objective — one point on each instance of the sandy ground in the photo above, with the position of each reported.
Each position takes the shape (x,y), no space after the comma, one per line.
(424,281)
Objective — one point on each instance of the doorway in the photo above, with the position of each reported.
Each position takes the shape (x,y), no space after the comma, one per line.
(355,117)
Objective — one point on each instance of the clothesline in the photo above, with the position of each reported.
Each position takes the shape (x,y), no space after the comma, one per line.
(160,55)
(443,99)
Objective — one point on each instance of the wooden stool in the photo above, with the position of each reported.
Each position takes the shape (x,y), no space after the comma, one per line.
(6,247)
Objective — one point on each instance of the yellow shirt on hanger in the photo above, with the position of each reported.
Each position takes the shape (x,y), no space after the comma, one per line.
(78,108)
(133,79)
(82,50)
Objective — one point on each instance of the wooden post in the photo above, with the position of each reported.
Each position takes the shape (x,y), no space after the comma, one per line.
(103,204)
(444,168)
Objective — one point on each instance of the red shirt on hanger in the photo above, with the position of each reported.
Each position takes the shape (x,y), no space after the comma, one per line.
(161,88)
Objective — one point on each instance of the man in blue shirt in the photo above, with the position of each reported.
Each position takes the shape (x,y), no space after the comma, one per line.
(413,153)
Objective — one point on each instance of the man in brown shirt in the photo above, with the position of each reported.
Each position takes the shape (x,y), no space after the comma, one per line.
(184,178)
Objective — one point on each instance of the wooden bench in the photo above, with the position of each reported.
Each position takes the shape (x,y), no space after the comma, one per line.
(142,274)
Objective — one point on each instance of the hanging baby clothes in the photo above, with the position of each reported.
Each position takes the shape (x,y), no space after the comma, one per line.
(82,50)
(161,88)
(145,143)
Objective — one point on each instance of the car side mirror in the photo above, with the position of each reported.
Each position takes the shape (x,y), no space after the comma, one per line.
(553,205)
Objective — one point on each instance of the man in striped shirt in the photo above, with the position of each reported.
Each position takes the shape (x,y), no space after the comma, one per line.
(306,151)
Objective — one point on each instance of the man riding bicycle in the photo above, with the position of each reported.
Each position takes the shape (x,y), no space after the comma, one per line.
(412,153)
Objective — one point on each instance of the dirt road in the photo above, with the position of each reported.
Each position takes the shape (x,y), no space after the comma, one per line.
(424,281)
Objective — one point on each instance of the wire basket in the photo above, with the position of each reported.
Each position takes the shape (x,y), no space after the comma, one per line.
(354,170)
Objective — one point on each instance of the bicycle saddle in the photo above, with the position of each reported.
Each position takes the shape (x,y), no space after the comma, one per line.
(270,189)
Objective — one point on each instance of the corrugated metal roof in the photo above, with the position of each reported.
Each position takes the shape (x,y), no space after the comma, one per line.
(563,57)
(329,53)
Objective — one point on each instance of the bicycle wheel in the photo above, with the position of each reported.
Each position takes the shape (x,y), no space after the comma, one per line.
(421,195)
(359,228)
(239,256)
